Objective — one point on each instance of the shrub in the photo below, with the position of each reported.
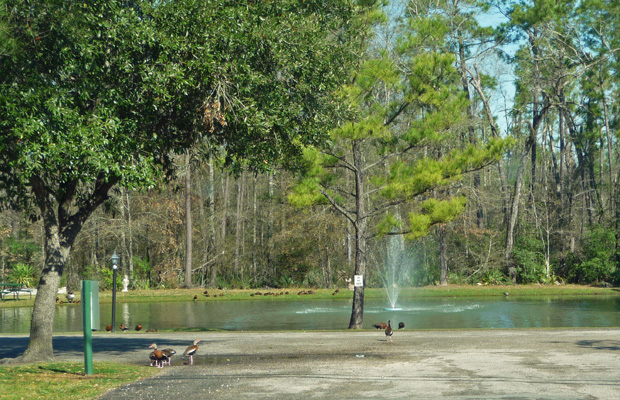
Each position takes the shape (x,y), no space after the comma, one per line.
(528,255)
(494,277)
(23,274)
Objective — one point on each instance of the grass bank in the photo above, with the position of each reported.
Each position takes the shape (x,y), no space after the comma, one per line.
(66,380)
(297,294)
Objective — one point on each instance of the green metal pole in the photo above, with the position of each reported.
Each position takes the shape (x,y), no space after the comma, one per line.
(86,325)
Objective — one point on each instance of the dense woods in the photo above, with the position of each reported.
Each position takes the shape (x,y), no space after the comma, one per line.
(488,131)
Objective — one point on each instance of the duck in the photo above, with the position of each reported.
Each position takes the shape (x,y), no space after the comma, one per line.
(157,356)
(191,351)
(195,297)
(123,327)
(401,325)
(168,353)
(379,326)
(138,327)
(70,296)
(108,328)
(389,332)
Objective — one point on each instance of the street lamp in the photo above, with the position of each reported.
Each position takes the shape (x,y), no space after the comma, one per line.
(114,260)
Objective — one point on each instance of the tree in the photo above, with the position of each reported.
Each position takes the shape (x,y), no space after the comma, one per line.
(405,110)
(103,93)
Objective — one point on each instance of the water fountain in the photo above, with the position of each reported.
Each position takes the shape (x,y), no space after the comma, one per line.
(396,269)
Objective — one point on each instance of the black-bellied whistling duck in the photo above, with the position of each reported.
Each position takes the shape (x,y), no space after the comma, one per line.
(108,328)
(401,325)
(138,327)
(123,327)
(382,325)
(191,350)
(195,297)
(157,356)
(389,332)
(168,353)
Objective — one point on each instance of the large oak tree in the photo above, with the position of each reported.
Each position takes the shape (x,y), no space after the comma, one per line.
(102,93)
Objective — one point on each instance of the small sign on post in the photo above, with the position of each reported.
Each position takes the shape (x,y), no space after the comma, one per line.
(90,320)
(358,280)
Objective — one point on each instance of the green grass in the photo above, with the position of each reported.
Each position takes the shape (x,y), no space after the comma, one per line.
(171,295)
(66,380)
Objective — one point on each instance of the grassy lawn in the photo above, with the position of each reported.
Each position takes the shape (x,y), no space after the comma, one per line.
(66,380)
(166,295)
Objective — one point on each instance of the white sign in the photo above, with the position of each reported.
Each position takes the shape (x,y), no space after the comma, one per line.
(358,280)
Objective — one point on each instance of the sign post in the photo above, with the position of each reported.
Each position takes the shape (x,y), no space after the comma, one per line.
(90,320)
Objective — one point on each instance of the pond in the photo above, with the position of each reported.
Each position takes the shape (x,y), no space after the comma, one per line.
(268,315)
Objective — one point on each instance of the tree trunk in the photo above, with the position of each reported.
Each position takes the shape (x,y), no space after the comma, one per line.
(612,194)
(360,226)
(514,211)
(254,227)
(472,132)
(238,270)
(211,242)
(61,227)
(443,257)
(42,323)
(188,221)
(130,232)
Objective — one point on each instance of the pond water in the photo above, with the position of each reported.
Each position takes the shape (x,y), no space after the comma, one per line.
(266,315)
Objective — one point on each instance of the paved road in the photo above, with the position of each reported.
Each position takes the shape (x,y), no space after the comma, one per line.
(471,364)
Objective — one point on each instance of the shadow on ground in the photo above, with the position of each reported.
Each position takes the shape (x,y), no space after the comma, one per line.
(613,345)
(11,347)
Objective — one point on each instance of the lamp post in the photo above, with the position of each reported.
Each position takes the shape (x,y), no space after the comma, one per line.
(114,260)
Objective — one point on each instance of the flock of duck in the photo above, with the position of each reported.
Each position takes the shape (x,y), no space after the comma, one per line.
(388,328)
(159,358)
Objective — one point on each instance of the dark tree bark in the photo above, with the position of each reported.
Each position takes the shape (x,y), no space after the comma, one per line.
(188,221)
(63,220)
(360,225)
(443,257)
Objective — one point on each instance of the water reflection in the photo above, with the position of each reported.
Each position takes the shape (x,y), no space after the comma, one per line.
(266,315)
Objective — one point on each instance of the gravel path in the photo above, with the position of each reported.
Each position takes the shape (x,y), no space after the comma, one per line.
(468,364)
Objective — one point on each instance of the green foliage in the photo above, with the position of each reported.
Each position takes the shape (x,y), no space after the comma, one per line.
(23,274)
(141,274)
(595,263)
(285,281)
(432,212)
(528,254)
(96,90)
(494,277)
(599,257)
(106,279)
(142,267)
(22,249)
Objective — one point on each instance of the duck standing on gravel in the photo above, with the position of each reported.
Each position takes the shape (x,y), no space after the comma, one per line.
(191,350)
(389,332)
(168,353)
(158,358)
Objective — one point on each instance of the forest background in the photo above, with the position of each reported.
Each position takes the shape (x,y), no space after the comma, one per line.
(542,73)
